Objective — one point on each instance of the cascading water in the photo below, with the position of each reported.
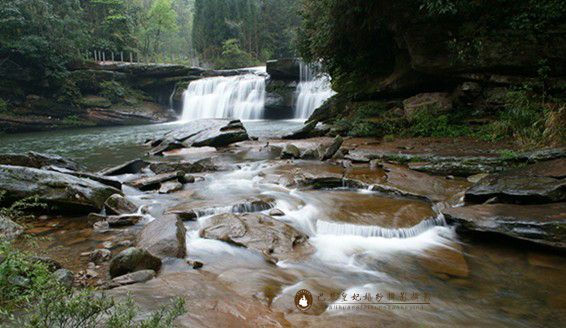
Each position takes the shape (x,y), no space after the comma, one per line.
(340,229)
(312,91)
(240,96)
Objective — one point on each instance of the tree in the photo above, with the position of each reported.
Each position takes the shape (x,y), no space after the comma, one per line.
(159,21)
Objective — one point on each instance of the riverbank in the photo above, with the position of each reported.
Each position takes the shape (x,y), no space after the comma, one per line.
(239,226)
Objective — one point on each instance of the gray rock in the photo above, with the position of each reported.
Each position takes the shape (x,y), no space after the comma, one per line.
(541,224)
(290,151)
(254,204)
(133,259)
(100,255)
(134,277)
(276,212)
(202,165)
(118,204)
(37,160)
(132,167)
(98,178)
(310,130)
(273,239)
(434,102)
(123,220)
(164,237)
(199,133)
(333,148)
(284,69)
(62,191)
(101,226)
(171,186)
(64,277)
(533,184)
(19,281)
(154,182)
(9,230)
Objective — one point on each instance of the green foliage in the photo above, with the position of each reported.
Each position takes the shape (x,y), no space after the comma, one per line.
(428,124)
(233,56)
(507,154)
(112,90)
(3,106)
(29,289)
(528,119)
(20,207)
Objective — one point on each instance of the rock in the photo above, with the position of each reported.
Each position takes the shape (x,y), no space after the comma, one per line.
(164,237)
(19,281)
(202,165)
(108,244)
(435,103)
(118,204)
(62,191)
(273,239)
(134,278)
(102,179)
(254,204)
(290,151)
(211,302)
(133,259)
(171,186)
(188,179)
(525,185)
(195,264)
(37,160)
(64,277)
(333,148)
(284,69)
(476,177)
(199,133)
(541,224)
(132,167)
(123,220)
(446,261)
(313,153)
(100,255)
(9,230)
(154,182)
(101,226)
(94,101)
(309,130)
(276,212)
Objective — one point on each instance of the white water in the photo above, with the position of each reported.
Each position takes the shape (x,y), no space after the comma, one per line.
(313,90)
(240,96)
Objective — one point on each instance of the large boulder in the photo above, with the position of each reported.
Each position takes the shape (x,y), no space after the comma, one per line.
(164,237)
(284,69)
(9,230)
(273,239)
(541,224)
(133,259)
(118,204)
(62,191)
(37,160)
(199,133)
(434,102)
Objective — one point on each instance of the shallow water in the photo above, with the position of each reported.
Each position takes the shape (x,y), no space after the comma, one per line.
(433,278)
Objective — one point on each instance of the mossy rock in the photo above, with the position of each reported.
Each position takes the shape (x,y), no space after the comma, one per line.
(95,101)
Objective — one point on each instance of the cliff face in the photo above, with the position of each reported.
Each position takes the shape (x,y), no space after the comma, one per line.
(471,54)
(95,95)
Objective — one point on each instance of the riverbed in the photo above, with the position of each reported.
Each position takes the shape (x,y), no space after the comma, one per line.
(376,259)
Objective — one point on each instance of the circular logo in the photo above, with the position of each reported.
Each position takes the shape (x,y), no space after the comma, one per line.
(303,300)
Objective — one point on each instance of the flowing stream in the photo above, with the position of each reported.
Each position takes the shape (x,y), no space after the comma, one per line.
(313,90)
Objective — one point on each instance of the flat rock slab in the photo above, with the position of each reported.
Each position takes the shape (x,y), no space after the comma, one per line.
(542,224)
(118,204)
(273,239)
(200,133)
(154,182)
(533,184)
(37,160)
(64,191)
(209,303)
(132,167)
(164,237)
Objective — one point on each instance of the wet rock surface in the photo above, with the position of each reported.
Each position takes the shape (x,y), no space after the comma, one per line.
(66,192)
(9,229)
(133,259)
(118,204)
(273,239)
(164,237)
(37,160)
(154,182)
(541,224)
(130,167)
(210,132)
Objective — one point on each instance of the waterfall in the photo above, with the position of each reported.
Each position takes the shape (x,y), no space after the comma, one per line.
(313,90)
(340,229)
(240,96)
